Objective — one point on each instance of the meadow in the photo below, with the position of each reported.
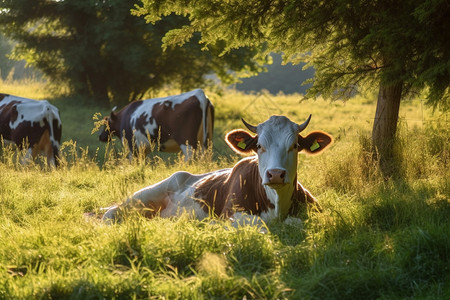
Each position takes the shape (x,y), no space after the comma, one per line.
(376,238)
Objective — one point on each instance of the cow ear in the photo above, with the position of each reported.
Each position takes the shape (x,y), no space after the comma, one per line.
(241,141)
(314,142)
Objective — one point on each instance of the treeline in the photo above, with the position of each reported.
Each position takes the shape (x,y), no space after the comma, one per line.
(277,77)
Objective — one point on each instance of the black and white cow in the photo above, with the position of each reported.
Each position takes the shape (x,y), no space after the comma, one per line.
(175,123)
(32,123)
(264,185)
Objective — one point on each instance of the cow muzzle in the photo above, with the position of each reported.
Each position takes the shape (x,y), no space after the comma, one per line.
(275,177)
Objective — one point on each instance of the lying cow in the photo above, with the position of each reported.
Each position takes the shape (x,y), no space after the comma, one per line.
(175,123)
(33,123)
(264,185)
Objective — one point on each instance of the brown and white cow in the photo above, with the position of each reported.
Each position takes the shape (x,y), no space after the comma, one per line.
(175,123)
(33,123)
(264,185)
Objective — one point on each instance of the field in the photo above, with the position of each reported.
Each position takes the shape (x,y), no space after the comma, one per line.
(375,238)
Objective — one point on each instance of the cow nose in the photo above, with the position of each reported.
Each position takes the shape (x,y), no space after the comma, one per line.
(276,176)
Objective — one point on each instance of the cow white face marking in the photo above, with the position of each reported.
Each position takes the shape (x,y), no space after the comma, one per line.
(277,151)
(276,145)
(277,162)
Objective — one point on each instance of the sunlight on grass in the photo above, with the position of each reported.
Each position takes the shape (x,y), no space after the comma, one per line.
(375,238)
(28,88)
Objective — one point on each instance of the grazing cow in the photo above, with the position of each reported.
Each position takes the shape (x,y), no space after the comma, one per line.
(176,123)
(33,123)
(264,185)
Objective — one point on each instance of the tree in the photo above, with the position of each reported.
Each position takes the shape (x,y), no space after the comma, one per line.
(400,46)
(103,52)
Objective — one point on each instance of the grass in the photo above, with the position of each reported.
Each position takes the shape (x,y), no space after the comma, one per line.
(374,239)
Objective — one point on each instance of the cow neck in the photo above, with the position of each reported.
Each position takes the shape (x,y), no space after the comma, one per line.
(281,199)
(273,203)
(251,193)
(296,197)
(236,189)
(117,124)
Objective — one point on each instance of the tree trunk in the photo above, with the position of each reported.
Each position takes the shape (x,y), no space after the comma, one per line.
(385,127)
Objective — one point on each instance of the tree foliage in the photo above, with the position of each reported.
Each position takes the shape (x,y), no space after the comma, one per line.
(101,51)
(351,44)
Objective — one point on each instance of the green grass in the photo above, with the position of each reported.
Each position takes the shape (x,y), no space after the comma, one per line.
(374,239)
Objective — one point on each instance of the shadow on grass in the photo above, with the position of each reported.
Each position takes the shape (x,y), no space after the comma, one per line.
(397,245)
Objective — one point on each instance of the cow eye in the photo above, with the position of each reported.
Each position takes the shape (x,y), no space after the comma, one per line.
(260,148)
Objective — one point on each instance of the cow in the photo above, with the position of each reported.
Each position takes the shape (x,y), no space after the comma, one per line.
(263,185)
(35,124)
(175,123)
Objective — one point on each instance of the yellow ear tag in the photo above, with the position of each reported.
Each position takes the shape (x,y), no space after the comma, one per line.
(314,146)
(242,145)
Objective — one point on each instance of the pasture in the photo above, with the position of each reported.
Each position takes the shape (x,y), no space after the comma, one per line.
(375,238)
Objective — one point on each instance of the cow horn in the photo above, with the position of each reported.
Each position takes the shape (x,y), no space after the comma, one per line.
(303,126)
(114,108)
(250,127)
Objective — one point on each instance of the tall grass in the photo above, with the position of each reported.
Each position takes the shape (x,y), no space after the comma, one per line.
(375,238)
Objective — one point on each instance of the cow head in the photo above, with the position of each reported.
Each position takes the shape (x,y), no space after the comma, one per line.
(107,129)
(277,144)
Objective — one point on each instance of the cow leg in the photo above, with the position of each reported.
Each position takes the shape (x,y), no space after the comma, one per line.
(48,152)
(305,196)
(188,151)
(51,160)
(126,143)
(44,147)
(148,201)
(27,157)
(157,198)
(242,219)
